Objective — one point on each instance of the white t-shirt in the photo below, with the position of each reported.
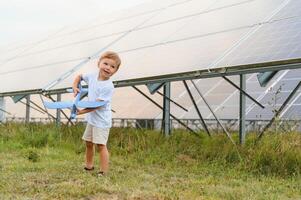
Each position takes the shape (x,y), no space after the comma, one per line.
(99,90)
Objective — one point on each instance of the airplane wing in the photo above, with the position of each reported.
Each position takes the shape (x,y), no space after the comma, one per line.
(58,105)
(90,104)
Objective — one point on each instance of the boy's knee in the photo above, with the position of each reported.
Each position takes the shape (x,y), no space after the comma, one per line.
(101,146)
(89,144)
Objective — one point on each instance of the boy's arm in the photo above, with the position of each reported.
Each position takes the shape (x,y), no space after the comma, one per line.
(86,110)
(76,81)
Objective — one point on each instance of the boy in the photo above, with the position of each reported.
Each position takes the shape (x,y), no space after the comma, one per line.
(99,120)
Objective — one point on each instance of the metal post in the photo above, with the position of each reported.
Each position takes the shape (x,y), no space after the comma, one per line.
(27,109)
(243,91)
(166,109)
(159,106)
(242,110)
(172,101)
(58,111)
(2,109)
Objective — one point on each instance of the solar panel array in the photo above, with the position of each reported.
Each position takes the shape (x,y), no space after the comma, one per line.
(165,37)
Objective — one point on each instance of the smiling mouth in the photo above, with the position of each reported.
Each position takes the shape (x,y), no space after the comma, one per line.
(106,72)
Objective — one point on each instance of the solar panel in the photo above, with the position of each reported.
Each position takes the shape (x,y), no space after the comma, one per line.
(204,48)
(232,105)
(14,50)
(276,39)
(164,59)
(184,35)
(32,77)
(170,37)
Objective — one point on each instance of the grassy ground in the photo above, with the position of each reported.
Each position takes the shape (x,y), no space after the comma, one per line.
(45,162)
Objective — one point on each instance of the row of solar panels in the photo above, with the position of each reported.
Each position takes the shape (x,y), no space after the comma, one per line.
(169,37)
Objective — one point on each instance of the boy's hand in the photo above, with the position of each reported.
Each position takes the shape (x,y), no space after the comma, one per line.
(78,111)
(76,82)
(75,91)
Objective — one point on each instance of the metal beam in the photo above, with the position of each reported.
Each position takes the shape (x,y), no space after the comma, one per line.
(265,77)
(198,74)
(172,101)
(215,72)
(154,87)
(287,100)
(183,124)
(197,109)
(2,111)
(18,98)
(242,110)
(243,91)
(27,115)
(26,104)
(58,111)
(166,109)
(21,92)
(213,113)
(39,109)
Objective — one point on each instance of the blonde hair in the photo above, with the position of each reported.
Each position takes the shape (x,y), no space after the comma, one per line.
(111,55)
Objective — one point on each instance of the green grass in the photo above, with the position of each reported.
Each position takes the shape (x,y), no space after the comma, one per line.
(46,162)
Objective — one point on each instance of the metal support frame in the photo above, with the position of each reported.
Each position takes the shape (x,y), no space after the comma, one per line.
(27,115)
(17,98)
(265,77)
(243,91)
(204,73)
(49,115)
(4,111)
(58,111)
(197,109)
(26,104)
(242,110)
(39,108)
(183,124)
(172,101)
(155,87)
(213,113)
(166,109)
(215,72)
(287,100)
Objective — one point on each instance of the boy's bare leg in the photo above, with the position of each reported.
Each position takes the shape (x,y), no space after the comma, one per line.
(103,157)
(89,154)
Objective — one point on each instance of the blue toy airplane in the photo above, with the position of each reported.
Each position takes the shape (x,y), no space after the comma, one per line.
(77,103)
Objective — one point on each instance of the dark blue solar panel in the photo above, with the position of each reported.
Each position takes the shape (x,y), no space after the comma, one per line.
(276,39)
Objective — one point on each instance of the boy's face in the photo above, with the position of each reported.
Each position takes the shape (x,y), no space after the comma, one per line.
(107,67)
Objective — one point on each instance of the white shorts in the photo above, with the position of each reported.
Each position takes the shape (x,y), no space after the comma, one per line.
(96,135)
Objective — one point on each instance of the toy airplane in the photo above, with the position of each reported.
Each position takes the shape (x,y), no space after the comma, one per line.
(77,103)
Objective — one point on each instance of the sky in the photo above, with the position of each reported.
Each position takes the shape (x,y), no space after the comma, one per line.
(25,19)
